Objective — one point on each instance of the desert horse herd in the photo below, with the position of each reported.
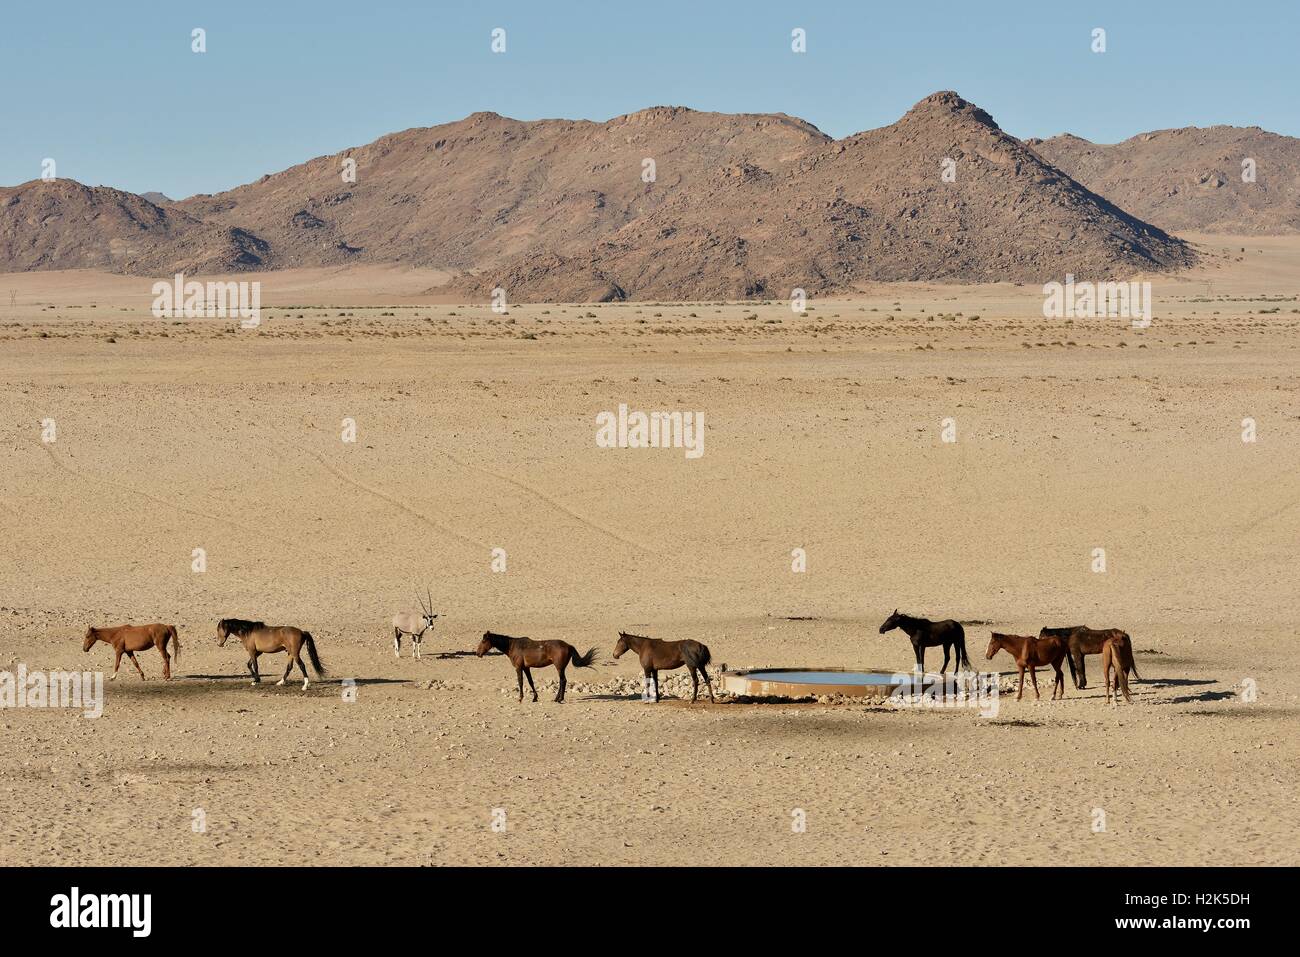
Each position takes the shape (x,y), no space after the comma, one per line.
(1051,647)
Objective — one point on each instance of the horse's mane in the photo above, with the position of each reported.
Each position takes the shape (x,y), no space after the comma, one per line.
(238,626)
(628,634)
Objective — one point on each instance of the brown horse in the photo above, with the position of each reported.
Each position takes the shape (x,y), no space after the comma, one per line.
(1031,652)
(259,638)
(1116,653)
(128,639)
(526,654)
(1083,640)
(926,634)
(659,655)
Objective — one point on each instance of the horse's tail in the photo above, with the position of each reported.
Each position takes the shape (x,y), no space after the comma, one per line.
(1132,657)
(961,649)
(311,653)
(582,661)
(697,654)
(176,642)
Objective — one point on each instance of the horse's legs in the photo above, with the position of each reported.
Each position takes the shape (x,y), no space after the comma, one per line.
(528,673)
(559,695)
(708,684)
(1033,676)
(397,643)
(695,684)
(117,663)
(252,667)
(946,646)
(519,674)
(297,656)
(287,668)
(1059,683)
(1079,657)
(1021,693)
(167,660)
(920,656)
(131,655)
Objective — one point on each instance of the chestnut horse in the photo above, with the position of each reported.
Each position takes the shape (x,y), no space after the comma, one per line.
(128,639)
(1031,652)
(1117,654)
(926,634)
(259,638)
(667,655)
(526,654)
(1086,641)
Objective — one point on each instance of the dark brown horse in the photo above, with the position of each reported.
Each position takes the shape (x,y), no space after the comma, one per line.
(1118,655)
(926,634)
(259,638)
(1031,652)
(128,639)
(526,654)
(1083,640)
(657,655)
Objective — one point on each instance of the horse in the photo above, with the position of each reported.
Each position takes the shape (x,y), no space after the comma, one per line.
(667,655)
(526,654)
(926,634)
(1117,654)
(259,638)
(128,639)
(1086,641)
(1031,652)
(409,623)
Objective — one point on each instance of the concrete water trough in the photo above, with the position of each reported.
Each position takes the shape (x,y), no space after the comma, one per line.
(805,682)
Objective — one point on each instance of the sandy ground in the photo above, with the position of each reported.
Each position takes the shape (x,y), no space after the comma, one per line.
(822,432)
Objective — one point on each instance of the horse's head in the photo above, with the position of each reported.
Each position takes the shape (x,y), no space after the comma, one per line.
(223,631)
(485,645)
(90,639)
(622,645)
(995,643)
(892,622)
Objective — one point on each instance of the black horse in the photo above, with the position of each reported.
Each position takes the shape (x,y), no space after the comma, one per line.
(1082,640)
(926,634)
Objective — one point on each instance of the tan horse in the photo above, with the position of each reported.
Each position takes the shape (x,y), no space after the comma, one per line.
(1116,653)
(1031,652)
(259,638)
(128,639)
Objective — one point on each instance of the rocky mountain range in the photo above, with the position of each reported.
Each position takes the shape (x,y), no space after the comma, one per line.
(671,203)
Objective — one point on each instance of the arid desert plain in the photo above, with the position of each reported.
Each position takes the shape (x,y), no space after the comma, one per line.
(475,431)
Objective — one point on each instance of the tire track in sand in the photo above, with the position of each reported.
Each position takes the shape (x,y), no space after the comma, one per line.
(394,501)
(558,506)
(165,503)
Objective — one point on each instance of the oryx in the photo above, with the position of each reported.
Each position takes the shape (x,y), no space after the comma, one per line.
(409,623)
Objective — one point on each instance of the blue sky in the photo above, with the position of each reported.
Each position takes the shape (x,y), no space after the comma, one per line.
(112,91)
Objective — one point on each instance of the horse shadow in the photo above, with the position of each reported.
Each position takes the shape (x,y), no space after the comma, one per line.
(332,680)
(1203,696)
(1179,682)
